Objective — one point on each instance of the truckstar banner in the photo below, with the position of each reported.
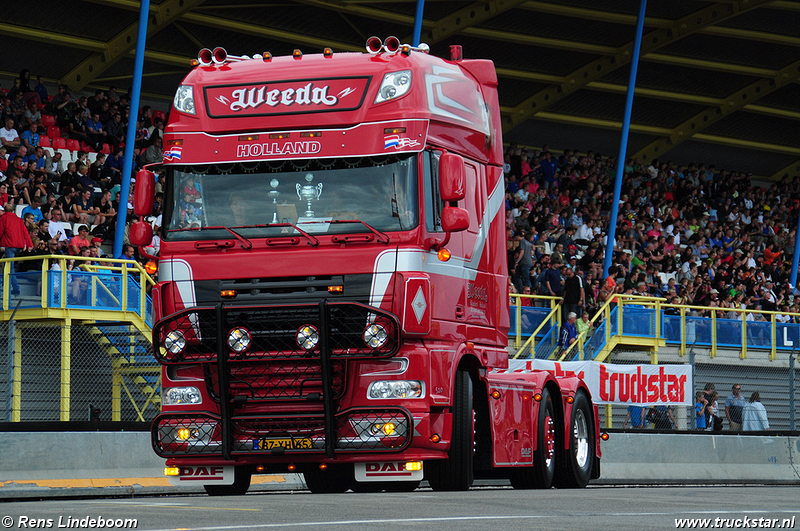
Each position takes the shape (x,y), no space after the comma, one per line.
(632,385)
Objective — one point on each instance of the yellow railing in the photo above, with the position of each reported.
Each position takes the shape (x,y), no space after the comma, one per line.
(615,335)
(554,317)
(103,271)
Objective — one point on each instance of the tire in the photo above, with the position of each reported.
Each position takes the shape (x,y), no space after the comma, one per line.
(576,463)
(456,473)
(335,479)
(241,482)
(541,475)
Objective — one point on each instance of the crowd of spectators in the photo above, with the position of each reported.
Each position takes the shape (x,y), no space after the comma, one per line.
(82,191)
(693,234)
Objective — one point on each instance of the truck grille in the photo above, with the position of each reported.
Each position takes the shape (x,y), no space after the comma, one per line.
(357,430)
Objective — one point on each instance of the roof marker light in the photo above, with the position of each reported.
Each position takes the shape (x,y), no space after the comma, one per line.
(327,52)
(297,54)
(266,57)
(405,49)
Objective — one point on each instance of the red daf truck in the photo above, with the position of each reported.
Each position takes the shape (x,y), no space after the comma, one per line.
(332,295)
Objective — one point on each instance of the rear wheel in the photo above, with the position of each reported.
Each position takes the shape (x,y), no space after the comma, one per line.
(456,472)
(334,479)
(575,464)
(241,482)
(540,476)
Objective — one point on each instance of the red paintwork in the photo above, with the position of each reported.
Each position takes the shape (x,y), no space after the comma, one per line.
(466,318)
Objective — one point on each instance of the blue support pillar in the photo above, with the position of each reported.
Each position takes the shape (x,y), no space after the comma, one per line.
(418,22)
(130,138)
(623,146)
(795,259)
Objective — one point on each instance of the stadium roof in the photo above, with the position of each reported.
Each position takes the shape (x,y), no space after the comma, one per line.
(718,82)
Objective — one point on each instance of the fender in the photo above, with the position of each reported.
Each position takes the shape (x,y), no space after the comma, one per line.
(569,388)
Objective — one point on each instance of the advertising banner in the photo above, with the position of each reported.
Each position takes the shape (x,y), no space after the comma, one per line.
(642,385)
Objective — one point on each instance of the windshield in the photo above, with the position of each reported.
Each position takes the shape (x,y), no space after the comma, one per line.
(380,192)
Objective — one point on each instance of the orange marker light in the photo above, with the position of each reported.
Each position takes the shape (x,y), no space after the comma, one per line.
(336,289)
(151,267)
(495,394)
(604,436)
(323,466)
(570,399)
(537,397)
(297,54)
(174,142)
(227,294)
(327,52)
(444,255)
(291,468)
(260,468)
(435,438)
(266,56)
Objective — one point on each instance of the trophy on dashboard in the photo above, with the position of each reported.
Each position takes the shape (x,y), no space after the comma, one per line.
(308,193)
(274,193)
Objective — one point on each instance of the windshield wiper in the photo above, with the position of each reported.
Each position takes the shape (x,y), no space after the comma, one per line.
(383,238)
(311,239)
(246,244)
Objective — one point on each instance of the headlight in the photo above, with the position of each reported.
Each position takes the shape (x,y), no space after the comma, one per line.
(393,86)
(182,395)
(175,342)
(239,339)
(307,337)
(375,336)
(184,99)
(395,389)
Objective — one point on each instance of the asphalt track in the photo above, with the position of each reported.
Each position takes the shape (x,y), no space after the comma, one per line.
(595,508)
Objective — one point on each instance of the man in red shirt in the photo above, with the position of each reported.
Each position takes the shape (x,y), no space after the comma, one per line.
(14,237)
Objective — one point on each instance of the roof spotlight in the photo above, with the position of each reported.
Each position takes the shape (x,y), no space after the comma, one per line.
(374,45)
(392,44)
(220,55)
(205,57)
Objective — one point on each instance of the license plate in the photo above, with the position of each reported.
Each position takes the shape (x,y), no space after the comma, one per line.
(287,444)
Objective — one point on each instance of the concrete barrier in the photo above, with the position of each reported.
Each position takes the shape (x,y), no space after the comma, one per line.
(650,458)
(48,464)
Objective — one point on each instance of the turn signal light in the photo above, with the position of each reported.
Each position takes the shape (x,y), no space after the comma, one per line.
(336,289)
(228,294)
(443,255)
(495,394)
(151,267)
(570,399)
(537,397)
(604,437)
(172,471)
(435,438)
(413,466)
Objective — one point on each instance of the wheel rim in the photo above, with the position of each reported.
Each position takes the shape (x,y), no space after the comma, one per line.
(549,440)
(581,438)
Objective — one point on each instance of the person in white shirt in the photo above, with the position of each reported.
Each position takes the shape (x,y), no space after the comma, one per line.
(56,228)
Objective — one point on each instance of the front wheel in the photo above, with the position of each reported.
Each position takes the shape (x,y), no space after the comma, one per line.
(334,479)
(540,476)
(576,463)
(241,482)
(456,472)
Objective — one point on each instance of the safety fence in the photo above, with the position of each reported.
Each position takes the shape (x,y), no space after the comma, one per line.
(103,371)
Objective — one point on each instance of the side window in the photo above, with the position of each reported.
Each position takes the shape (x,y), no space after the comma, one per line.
(433,202)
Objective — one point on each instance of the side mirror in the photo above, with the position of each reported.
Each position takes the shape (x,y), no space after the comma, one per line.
(452,185)
(455,219)
(141,233)
(145,194)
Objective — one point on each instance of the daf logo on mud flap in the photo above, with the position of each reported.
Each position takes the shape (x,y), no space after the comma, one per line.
(207,472)
(388,468)
(526,452)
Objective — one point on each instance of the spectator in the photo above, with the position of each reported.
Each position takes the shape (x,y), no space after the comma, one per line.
(9,137)
(636,415)
(700,410)
(569,332)
(15,238)
(754,415)
(154,152)
(734,407)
